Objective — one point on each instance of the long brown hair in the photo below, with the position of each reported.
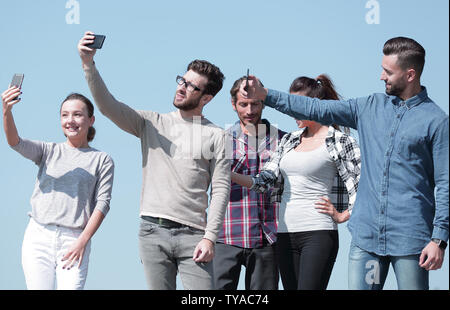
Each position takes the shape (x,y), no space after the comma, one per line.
(321,87)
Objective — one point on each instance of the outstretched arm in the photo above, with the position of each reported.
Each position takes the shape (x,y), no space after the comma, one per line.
(326,112)
(121,114)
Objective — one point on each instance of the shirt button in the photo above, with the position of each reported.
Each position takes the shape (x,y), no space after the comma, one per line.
(398,115)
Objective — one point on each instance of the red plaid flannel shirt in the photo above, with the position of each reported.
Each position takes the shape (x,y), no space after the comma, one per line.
(250,216)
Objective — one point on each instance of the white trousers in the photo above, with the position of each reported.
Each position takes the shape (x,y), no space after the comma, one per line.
(42,250)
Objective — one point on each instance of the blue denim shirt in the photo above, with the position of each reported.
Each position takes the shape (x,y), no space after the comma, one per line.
(402,199)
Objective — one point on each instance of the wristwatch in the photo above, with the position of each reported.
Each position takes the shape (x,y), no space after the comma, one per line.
(441,243)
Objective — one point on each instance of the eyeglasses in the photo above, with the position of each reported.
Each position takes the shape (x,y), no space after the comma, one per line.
(189,86)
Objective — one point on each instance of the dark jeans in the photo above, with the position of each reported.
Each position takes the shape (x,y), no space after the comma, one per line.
(306,259)
(261,270)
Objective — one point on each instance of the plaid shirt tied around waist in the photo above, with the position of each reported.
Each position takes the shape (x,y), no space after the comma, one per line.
(250,217)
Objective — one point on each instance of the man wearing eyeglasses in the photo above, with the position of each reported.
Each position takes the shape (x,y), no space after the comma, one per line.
(183,154)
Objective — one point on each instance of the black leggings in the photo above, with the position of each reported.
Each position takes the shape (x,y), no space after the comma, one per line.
(306,259)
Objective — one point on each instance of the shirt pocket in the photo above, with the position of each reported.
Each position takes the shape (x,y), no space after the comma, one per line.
(411,147)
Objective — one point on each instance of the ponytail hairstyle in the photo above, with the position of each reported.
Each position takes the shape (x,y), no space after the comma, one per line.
(321,87)
(90,109)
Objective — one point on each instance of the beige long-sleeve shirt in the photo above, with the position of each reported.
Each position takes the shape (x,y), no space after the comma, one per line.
(181,158)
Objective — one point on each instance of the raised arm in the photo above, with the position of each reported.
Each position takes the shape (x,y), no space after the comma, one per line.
(327,112)
(9,99)
(122,115)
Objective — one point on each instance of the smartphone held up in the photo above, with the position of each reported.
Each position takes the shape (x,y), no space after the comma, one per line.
(17,81)
(98,41)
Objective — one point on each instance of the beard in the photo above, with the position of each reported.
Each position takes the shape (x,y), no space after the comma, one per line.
(186,104)
(395,89)
(254,122)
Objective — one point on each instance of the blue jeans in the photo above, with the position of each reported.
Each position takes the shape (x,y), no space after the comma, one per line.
(368,271)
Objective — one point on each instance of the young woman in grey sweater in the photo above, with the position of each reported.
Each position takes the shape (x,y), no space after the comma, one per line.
(70,199)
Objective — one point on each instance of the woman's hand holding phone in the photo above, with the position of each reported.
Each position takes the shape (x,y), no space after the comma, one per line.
(10,97)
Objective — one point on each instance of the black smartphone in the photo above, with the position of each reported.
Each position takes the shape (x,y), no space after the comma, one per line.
(98,41)
(17,80)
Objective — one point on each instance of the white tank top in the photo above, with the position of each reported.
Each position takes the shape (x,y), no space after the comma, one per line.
(307,177)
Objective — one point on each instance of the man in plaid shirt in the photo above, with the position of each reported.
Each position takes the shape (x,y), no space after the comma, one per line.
(250,224)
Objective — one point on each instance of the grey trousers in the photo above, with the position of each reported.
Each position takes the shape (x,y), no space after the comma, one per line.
(166,251)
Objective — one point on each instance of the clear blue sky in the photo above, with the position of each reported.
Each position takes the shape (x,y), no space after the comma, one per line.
(150,42)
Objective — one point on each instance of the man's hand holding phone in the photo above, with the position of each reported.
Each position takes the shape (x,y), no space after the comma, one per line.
(252,88)
(88,45)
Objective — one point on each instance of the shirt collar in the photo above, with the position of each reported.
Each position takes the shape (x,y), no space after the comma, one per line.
(413,101)
(330,133)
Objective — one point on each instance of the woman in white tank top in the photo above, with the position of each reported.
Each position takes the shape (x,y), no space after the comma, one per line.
(318,168)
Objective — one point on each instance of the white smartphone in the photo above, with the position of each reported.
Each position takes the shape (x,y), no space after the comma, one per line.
(17,80)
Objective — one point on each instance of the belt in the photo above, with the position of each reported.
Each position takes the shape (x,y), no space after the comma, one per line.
(162,222)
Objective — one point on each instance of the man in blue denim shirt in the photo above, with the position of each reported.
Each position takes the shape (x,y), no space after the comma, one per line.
(401,213)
